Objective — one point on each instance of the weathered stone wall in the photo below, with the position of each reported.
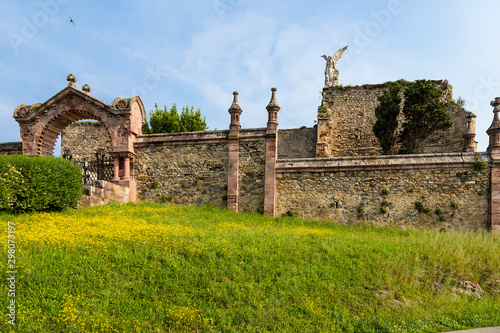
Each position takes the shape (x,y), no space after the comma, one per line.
(387,188)
(192,168)
(297,143)
(347,115)
(251,175)
(82,139)
(11,148)
(187,168)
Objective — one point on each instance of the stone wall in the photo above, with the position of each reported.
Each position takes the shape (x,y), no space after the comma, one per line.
(383,190)
(186,168)
(251,174)
(11,148)
(194,168)
(297,143)
(347,115)
(82,139)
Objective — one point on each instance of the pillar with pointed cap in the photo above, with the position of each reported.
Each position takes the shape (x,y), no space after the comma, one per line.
(233,154)
(272,110)
(271,156)
(494,150)
(469,135)
(494,130)
(235,112)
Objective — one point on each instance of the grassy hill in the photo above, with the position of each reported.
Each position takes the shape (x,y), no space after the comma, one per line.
(164,268)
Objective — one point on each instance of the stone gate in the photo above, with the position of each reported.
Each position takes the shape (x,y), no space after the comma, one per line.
(41,124)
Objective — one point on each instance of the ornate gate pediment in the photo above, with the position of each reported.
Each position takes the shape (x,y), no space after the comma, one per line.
(41,123)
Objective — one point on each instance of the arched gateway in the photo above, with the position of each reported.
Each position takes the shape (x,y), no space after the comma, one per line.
(41,124)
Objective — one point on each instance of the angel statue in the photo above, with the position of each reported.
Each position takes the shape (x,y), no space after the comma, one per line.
(331,72)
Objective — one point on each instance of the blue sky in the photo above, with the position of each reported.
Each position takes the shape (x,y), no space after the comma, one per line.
(198,52)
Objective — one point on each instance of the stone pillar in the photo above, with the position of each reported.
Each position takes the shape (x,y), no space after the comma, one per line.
(271,156)
(494,150)
(469,135)
(233,155)
(116,169)
(126,168)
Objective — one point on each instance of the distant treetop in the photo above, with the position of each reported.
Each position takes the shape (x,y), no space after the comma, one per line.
(169,121)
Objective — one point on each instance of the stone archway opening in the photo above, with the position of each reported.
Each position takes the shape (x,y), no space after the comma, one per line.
(47,140)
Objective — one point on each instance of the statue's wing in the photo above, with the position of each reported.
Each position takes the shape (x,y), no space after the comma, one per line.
(337,55)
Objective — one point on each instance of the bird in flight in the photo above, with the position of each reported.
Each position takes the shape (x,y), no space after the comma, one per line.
(71,21)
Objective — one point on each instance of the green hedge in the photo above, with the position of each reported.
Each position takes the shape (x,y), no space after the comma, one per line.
(38,183)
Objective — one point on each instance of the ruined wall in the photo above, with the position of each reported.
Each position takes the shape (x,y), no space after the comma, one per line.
(82,139)
(347,115)
(11,148)
(455,193)
(297,143)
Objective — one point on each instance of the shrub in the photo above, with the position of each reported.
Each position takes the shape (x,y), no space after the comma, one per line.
(419,205)
(455,204)
(480,164)
(425,113)
(361,208)
(165,198)
(38,183)
(385,191)
(387,112)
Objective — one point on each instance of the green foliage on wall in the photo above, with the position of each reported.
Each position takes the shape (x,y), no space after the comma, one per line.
(424,111)
(170,121)
(424,114)
(387,113)
(38,183)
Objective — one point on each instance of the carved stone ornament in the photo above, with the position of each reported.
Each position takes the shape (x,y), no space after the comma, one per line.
(122,130)
(23,110)
(86,88)
(71,78)
(27,136)
(121,104)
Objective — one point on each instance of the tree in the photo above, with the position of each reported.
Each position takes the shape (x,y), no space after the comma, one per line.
(387,113)
(424,114)
(169,121)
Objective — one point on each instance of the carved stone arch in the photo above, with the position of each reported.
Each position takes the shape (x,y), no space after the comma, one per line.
(46,139)
(41,123)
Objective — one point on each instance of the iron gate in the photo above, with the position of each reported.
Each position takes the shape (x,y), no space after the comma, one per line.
(99,167)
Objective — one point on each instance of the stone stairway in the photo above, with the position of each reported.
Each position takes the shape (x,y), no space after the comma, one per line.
(101,192)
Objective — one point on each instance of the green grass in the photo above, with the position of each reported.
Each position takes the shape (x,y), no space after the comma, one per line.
(165,268)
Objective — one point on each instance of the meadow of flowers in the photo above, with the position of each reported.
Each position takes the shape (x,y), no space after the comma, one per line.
(163,268)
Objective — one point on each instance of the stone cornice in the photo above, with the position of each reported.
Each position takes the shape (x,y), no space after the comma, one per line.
(392,162)
(176,139)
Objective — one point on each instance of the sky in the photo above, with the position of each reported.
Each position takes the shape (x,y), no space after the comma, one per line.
(196,53)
